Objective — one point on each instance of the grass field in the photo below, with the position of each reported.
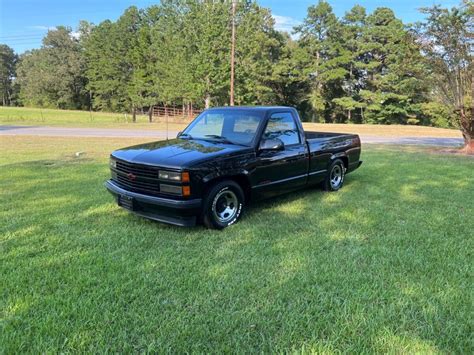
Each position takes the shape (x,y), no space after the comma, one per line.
(50,117)
(29,116)
(384,265)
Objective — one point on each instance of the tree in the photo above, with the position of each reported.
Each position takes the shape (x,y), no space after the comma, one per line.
(141,88)
(8,60)
(394,80)
(318,30)
(438,114)
(353,24)
(447,38)
(103,71)
(53,76)
(117,63)
(171,48)
(192,40)
(289,83)
(258,52)
(359,68)
(208,37)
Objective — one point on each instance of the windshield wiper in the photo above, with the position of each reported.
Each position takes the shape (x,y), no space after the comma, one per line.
(219,138)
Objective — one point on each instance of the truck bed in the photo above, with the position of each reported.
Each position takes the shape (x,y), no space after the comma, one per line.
(324,145)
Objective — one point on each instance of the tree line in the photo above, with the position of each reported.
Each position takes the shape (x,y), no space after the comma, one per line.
(360,68)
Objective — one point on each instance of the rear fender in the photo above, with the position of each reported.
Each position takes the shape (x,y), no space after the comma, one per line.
(341,155)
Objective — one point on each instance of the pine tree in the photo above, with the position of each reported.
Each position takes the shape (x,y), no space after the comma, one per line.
(8,60)
(317,32)
(173,80)
(208,35)
(104,68)
(394,74)
(258,52)
(141,88)
(289,83)
(192,44)
(350,36)
(119,66)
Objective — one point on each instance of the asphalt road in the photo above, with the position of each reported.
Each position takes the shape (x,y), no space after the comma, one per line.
(142,133)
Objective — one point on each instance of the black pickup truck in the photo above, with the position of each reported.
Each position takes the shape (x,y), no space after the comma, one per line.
(224,159)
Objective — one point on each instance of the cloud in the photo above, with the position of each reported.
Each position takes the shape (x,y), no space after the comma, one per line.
(285,23)
(74,34)
(42,28)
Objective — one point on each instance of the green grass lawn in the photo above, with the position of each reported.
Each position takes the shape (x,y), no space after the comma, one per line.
(384,265)
(29,116)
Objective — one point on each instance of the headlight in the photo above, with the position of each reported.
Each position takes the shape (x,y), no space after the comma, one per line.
(112,163)
(173,176)
(169,175)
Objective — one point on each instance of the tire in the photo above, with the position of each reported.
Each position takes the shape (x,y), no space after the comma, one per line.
(223,205)
(335,176)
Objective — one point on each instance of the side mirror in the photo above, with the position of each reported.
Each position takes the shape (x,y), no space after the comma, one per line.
(179,133)
(272,144)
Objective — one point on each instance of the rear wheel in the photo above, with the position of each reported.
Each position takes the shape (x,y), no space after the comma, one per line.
(223,205)
(335,176)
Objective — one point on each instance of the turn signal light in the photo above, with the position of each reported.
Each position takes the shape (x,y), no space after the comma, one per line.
(186,191)
(185,177)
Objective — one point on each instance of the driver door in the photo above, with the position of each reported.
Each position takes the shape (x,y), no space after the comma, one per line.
(280,171)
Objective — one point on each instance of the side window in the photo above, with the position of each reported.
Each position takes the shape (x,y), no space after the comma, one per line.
(282,126)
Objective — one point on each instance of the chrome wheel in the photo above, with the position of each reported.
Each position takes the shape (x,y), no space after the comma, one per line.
(337,175)
(225,206)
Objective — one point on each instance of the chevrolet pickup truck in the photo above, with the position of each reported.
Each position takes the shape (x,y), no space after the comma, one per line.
(226,158)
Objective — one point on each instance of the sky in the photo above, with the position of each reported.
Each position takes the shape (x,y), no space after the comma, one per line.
(23,23)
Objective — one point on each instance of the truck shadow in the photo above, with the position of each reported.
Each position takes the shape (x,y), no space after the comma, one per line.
(316,192)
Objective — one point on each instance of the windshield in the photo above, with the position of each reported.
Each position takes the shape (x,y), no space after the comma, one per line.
(234,127)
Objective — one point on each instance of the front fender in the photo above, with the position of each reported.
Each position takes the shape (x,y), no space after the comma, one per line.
(225,173)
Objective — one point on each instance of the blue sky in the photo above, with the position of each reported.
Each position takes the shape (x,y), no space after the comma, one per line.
(24,22)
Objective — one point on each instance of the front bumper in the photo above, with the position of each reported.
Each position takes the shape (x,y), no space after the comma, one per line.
(178,212)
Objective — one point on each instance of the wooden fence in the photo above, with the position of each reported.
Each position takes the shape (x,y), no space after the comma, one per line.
(176,114)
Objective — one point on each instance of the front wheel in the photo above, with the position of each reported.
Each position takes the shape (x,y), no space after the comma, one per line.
(223,205)
(335,176)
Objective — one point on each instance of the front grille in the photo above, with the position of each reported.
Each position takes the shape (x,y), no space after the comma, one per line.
(144,179)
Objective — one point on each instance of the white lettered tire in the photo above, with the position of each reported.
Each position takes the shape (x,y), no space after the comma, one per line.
(223,205)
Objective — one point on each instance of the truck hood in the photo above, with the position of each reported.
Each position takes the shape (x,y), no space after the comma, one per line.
(178,153)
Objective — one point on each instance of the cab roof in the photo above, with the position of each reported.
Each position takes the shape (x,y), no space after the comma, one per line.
(256,108)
